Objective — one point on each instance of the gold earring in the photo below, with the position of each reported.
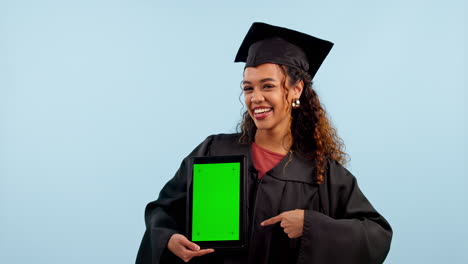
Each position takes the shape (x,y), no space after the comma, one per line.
(296,103)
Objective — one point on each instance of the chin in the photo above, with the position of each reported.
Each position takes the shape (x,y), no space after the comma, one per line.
(262,127)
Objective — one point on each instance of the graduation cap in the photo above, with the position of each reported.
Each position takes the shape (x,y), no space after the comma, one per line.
(265,43)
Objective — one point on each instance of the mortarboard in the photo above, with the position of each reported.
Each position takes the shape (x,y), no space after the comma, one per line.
(265,43)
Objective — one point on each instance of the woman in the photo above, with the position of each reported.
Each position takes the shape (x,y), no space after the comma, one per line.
(304,206)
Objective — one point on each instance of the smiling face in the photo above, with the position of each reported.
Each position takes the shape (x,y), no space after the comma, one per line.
(266,99)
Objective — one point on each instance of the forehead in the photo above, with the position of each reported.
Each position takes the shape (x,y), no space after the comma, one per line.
(262,71)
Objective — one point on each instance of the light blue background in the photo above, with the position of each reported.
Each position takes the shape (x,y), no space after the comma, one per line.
(101,100)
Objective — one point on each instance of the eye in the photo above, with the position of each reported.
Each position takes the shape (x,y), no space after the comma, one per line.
(247,89)
(268,86)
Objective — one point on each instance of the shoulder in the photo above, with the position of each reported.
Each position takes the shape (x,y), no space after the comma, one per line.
(225,138)
(337,174)
(227,144)
(221,144)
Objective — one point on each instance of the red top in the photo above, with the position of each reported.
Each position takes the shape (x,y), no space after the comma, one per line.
(264,160)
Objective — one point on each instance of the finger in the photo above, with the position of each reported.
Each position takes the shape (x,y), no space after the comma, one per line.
(295,235)
(201,252)
(289,232)
(188,244)
(272,220)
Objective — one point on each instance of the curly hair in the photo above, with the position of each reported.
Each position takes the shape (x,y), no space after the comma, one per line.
(310,132)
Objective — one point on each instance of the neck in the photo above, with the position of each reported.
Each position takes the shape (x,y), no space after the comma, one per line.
(276,141)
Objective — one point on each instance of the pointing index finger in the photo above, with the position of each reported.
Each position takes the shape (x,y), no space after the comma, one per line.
(271,221)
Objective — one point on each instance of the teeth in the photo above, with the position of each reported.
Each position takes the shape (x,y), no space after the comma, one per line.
(262,110)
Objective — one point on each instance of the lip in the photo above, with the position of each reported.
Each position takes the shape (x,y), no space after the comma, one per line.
(263,115)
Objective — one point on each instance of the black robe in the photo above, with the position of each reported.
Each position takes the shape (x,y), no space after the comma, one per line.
(340,225)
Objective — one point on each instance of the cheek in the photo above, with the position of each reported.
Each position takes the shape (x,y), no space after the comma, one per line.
(282,101)
(290,96)
(247,102)
(283,104)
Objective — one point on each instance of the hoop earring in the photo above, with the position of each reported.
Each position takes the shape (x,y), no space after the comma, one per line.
(296,103)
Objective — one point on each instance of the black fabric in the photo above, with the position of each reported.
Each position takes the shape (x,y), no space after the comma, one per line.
(266,43)
(340,225)
(276,50)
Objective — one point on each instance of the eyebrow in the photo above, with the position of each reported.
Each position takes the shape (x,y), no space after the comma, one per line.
(261,81)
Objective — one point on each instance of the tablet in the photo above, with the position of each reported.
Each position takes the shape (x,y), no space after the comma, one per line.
(216,202)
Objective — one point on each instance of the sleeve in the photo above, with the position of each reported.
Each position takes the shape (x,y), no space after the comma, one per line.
(166,215)
(350,230)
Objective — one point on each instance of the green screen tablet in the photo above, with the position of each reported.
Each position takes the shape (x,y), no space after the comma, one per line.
(215,205)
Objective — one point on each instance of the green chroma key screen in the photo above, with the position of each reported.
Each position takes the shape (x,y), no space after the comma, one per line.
(216,202)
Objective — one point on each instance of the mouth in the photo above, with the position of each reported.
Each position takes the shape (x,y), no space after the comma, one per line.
(262,112)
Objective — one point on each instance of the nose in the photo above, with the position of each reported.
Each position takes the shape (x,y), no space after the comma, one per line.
(257,97)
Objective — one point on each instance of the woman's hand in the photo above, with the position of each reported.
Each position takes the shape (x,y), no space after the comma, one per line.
(291,221)
(184,248)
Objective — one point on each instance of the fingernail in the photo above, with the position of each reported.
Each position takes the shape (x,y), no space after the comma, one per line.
(261,224)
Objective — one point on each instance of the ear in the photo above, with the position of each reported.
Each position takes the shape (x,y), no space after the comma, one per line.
(298,88)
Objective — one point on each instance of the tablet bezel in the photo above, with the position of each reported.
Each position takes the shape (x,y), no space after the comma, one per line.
(224,244)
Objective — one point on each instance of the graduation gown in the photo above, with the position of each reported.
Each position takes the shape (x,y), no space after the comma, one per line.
(340,225)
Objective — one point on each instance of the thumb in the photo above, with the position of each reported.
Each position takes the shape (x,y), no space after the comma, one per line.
(187,243)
